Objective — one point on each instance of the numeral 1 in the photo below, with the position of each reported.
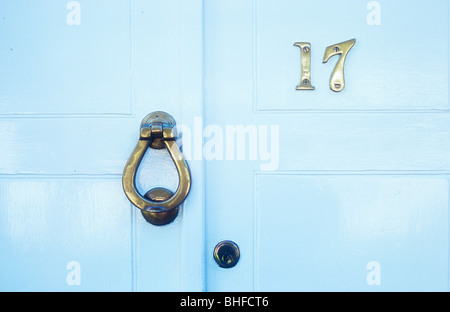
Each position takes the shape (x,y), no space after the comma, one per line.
(305,52)
(337,81)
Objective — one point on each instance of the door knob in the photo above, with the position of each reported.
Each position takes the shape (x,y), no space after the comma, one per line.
(159,206)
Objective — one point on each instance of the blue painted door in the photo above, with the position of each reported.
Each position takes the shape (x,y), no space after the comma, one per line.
(320,190)
(76,79)
(342,191)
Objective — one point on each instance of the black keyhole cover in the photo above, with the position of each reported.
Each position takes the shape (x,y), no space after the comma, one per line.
(226,254)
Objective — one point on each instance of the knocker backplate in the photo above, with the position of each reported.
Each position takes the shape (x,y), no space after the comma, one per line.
(159,194)
(158,118)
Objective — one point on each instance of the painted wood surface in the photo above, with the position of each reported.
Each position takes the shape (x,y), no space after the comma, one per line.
(76,79)
(320,190)
(358,199)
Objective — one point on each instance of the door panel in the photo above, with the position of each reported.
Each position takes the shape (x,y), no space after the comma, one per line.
(52,227)
(387,59)
(46,58)
(356,196)
(331,227)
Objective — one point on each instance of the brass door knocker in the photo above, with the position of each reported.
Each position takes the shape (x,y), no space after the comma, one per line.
(159,206)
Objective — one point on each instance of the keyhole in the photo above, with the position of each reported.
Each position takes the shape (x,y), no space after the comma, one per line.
(226,254)
(227,257)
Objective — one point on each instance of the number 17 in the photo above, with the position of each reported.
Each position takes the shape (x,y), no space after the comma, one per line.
(337,81)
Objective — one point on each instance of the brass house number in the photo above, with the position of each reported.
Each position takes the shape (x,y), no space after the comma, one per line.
(337,81)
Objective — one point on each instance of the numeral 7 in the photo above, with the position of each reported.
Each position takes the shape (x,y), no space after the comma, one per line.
(337,81)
